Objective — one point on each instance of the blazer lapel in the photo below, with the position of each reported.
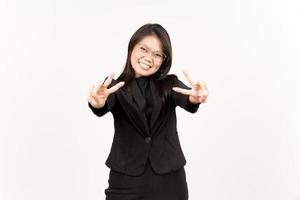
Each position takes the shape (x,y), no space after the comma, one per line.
(133,103)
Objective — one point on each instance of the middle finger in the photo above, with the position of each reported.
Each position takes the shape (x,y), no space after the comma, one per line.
(189,78)
(108,80)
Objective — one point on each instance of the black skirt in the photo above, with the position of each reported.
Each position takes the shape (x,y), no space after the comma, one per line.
(148,186)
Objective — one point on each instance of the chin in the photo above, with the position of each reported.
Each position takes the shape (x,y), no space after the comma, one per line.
(143,72)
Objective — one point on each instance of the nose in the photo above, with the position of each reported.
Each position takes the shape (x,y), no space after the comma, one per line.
(148,58)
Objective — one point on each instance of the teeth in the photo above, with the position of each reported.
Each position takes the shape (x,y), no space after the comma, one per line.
(144,66)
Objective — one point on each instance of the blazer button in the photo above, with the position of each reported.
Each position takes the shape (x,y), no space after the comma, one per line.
(148,139)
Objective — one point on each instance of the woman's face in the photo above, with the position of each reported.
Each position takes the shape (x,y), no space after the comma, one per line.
(147,56)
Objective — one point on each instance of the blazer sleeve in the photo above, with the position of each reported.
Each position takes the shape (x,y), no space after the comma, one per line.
(181,99)
(109,104)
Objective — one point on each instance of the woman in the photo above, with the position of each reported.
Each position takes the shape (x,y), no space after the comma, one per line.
(146,160)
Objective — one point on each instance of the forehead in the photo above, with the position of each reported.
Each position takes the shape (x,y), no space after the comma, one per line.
(152,42)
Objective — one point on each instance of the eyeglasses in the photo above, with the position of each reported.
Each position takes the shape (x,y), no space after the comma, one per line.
(158,56)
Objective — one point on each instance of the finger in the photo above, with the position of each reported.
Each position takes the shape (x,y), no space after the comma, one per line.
(90,90)
(182,91)
(204,100)
(96,87)
(91,99)
(205,85)
(93,90)
(202,85)
(116,87)
(189,78)
(197,85)
(108,80)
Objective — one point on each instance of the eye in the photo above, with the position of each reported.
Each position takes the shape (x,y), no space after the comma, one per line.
(143,49)
(158,55)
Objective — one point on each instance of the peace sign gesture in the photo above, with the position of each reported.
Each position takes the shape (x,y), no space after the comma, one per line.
(198,93)
(98,94)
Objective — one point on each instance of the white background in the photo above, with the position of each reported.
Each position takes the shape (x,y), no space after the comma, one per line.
(244,144)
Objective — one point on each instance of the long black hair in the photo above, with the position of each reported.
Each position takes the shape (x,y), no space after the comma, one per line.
(162,79)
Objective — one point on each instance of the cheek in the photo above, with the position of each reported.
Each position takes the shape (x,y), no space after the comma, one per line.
(131,60)
(134,58)
(156,68)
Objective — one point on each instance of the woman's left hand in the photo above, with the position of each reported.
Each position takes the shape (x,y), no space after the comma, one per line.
(198,93)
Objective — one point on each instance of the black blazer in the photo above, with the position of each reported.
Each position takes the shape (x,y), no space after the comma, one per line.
(134,140)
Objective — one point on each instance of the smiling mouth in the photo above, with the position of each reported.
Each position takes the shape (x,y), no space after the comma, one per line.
(144,66)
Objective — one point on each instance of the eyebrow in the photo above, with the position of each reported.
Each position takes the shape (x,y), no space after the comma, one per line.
(151,49)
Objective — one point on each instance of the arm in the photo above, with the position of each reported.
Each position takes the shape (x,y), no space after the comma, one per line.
(183,100)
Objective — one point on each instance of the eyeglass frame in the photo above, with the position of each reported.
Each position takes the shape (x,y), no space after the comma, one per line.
(152,52)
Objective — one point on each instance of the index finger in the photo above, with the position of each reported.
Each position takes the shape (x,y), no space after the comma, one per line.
(189,78)
(108,80)
(116,87)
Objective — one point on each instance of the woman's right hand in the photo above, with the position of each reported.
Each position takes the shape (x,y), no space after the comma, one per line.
(97,95)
